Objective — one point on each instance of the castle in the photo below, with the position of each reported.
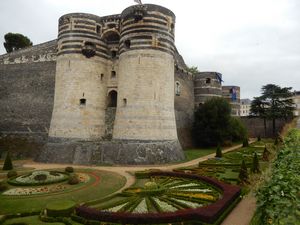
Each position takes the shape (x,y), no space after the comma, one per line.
(110,89)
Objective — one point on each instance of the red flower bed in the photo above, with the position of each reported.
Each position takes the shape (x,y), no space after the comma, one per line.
(207,214)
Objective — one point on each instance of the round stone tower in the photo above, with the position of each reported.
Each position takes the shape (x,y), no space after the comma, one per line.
(145,112)
(206,86)
(80,88)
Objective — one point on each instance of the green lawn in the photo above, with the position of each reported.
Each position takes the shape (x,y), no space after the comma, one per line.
(191,154)
(32,220)
(109,183)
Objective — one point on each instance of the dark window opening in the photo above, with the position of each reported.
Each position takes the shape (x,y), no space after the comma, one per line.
(98,29)
(102,76)
(111,25)
(112,99)
(113,54)
(113,74)
(208,81)
(82,101)
(127,43)
(111,37)
(89,49)
(124,102)
(138,17)
(172,27)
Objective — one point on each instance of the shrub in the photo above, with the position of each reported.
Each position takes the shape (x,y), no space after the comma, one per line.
(258,138)
(60,209)
(69,169)
(243,175)
(245,142)
(73,180)
(7,163)
(3,187)
(255,164)
(266,154)
(40,177)
(219,152)
(11,174)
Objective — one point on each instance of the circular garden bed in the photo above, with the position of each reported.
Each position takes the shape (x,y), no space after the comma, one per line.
(41,177)
(166,197)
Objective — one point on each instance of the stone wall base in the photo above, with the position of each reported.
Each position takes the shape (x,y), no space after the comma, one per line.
(121,152)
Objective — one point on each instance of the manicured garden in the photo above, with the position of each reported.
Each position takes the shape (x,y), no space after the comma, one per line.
(31,191)
(193,195)
(227,168)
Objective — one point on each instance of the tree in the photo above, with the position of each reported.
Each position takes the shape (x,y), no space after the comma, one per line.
(7,163)
(212,122)
(193,69)
(274,103)
(255,164)
(219,152)
(266,154)
(245,142)
(243,175)
(214,125)
(258,108)
(15,41)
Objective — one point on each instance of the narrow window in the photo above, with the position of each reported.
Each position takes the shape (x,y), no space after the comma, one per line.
(208,81)
(82,102)
(113,54)
(127,43)
(113,74)
(102,76)
(98,29)
(124,102)
(177,88)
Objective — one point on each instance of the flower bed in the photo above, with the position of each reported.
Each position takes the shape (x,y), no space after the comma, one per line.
(83,178)
(170,209)
(39,178)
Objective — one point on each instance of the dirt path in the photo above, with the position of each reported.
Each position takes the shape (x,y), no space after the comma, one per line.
(243,212)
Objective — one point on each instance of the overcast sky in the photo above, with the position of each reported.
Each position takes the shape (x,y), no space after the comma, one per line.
(251,42)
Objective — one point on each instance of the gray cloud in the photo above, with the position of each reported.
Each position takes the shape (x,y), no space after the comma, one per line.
(251,43)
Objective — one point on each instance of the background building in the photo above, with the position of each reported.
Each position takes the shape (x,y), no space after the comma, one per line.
(296,100)
(245,107)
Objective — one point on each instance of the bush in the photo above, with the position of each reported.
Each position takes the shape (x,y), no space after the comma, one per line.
(266,154)
(219,152)
(258,138)
(243,175)
(60,209)
(40,177)
(255,164)
(7,163)
(69,169)
(11,174)
(73,180)
(245,142)
(3,187)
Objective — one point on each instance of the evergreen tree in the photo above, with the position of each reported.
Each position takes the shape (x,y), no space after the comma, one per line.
(219,152)
(15,41)
(245,142)
(7,163)
(266,154)
(259,138)
(255,164)
(243,175)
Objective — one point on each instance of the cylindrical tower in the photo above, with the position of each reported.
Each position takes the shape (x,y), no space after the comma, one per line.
(206,86)
(80,87)
(145,111)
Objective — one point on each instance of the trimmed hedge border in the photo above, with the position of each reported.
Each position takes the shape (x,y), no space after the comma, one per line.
(207,214)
